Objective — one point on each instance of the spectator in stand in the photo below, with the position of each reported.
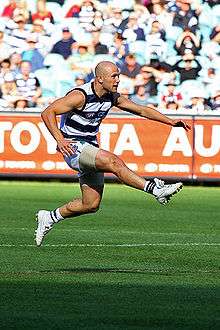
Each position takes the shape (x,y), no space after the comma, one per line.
(146,77)
(132,31)
(20,32)
(160,13)
(215,100)
(38,27)
(212,3)
(4,69)
(87,13)
(185,16)
(22,9)
(44,41)
(140,96)
(73,11)
(80,80)
(42,12)
(188,67)
(172,105)
(9,90)
(162,72)
(130,68)
(187,43)
(9,9)
(21,103)
(211,49)
(60,2)
(97,22)
(15,63)
(119,49)
(197,102)
(149,4)
(210,79)
(32,54)
(114,20)
(171,95)
(64,46)
(98,47)
(215,34)
(125,91)
(28,85)
(142,12)
(6,49)
(81,60)
(143,23)
(155,42)
(157,30)
(210,76)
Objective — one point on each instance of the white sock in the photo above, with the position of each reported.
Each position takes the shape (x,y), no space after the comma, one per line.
(149,186)
(56,216)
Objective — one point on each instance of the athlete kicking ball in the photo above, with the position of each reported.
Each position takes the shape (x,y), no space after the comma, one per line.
(82,110)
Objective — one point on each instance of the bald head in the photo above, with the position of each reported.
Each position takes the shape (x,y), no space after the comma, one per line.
(105,68)
(106,77)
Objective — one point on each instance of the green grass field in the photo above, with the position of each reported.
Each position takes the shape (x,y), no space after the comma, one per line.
(133,265)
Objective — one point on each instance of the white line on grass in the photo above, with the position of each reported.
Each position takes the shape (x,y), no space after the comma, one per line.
(112,245)
(112,231)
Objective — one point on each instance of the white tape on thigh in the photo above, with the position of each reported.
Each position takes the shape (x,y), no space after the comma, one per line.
(87,157)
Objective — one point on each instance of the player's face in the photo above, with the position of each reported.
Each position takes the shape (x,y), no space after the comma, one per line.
(112,80)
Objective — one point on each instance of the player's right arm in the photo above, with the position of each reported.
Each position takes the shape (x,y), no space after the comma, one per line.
(74,100)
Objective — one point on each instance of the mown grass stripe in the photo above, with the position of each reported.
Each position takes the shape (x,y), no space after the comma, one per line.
(112,245)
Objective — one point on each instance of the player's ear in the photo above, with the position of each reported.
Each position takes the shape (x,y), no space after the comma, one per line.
(100,80)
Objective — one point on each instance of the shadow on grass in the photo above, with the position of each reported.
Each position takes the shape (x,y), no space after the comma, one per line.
(86,270)
(85,298)
(162,271)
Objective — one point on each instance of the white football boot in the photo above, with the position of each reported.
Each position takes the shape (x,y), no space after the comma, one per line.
(163,192)
(44,225)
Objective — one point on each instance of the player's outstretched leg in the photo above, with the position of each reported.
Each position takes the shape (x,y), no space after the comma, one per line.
(108,162)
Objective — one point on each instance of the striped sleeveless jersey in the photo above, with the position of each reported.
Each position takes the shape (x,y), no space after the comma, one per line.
(84,124)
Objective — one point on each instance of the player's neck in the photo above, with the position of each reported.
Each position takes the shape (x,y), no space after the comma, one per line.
(98,89)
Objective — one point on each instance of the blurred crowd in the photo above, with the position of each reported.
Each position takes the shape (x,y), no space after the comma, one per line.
(168,51)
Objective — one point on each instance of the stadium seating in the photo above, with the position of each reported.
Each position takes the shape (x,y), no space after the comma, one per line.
(56,11)
(124,5)
(48,82)
(55,60)
(138,47)
(32,5)
(102,57)
(2,5)
(216,14)
(65,81)
(204,61)
(57,77)
(190,88)
(173,32)
(67,5)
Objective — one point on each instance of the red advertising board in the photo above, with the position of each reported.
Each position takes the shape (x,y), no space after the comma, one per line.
(27,147)
(206,149)
(149,148)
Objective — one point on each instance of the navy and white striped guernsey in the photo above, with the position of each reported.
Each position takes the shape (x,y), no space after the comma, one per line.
(84,124)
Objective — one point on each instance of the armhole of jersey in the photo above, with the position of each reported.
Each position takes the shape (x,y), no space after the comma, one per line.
(114,99)
(84,93)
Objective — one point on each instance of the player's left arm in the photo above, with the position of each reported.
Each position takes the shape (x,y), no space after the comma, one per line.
(148,112)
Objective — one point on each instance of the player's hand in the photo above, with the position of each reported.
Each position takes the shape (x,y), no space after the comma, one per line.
(65,147)
(181,123)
